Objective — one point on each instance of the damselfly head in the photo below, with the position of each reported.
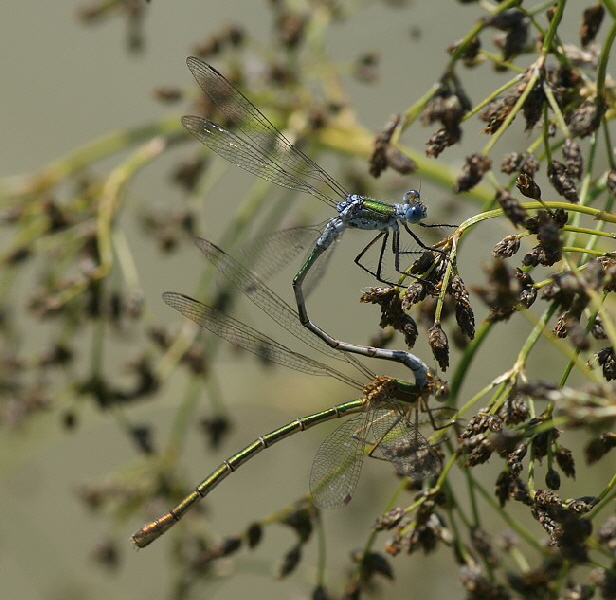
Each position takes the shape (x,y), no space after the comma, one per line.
(440,389)
(383,389)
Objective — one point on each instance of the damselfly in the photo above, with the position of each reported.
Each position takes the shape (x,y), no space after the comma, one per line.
(337,465)
(258,147)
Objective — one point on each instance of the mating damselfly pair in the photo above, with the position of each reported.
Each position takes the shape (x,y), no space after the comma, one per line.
(257,146)
(383,418)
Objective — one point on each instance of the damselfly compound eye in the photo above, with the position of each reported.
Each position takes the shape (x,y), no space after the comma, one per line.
(415,213)
(411,196)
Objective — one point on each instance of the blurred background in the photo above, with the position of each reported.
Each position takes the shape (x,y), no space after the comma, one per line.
(74,86)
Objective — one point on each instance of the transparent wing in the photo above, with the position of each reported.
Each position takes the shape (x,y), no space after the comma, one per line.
(244,280)
(399,441)
(240,334)
(337,464)
(239,152)
(266,255)
(271,151)
(263,297)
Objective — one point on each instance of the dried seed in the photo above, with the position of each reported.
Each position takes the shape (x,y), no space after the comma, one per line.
(378,295)
(515,41)
(564,458)
(599,446)
(446,107)
(534,103)
(375,563)
(511,207)
(107,554)
(480,539)
(597,331)
(515,23)
(390,519)
(552,479)
(440,346)
(464,312)
(534,224)
(416,292)
(502,488)
(477,424)
(299,520)
(585,120)
(215,429)
(510,162)
(290,561)
(547,498)
(527,186)
(290,28)
(606,534)
(516,409)
(471,50)
(528,293)
(611,182)
(562,182)
(496,112)
(514,460)
(549,250)
(592,18)
(475,167)
(573,158)
(142,435)
(522,162)
(254,533)
(507,247)
(378,159)
(442,139)
(226,547)
(607,360)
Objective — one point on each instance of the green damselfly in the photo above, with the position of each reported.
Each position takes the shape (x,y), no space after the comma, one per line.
(337,465)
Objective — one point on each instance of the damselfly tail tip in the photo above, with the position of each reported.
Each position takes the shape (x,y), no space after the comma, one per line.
(141,538)
(152,531)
